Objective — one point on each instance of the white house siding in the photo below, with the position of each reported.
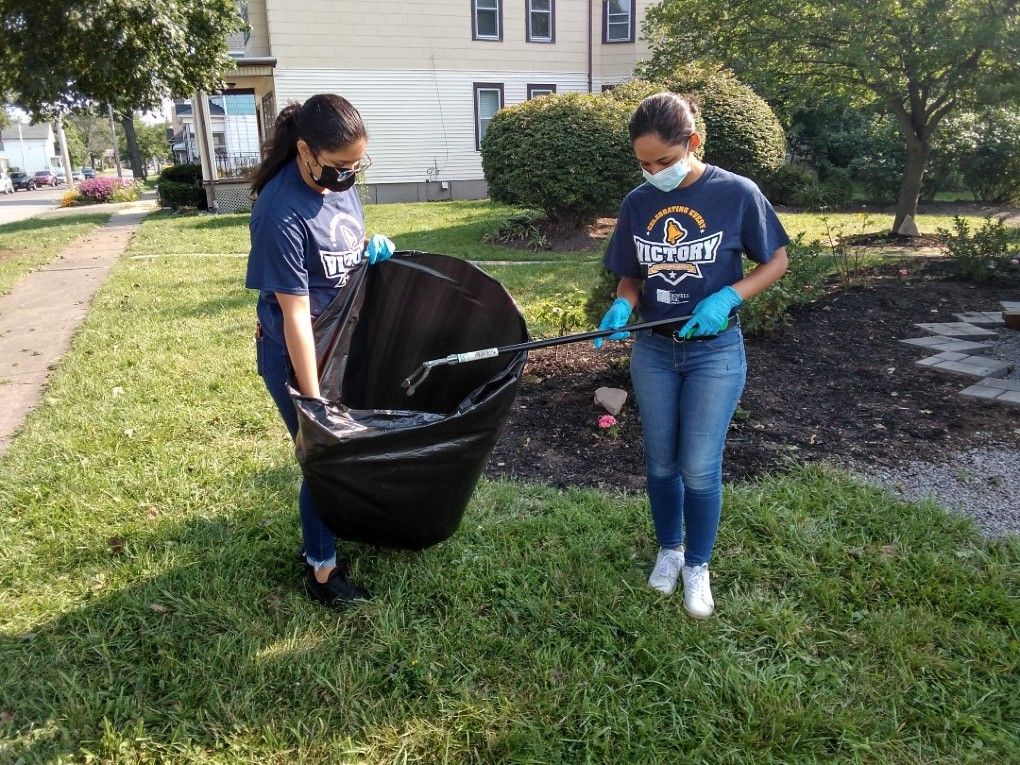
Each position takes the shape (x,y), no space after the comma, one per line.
(418,120)
(38,154)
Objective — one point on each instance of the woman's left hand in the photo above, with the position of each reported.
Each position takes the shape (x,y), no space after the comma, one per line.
(378,249)
(712,315)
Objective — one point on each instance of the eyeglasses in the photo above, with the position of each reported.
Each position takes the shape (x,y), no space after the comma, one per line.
(346,173)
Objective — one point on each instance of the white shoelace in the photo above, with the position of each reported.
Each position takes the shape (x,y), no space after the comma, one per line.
(669,566)
(699,581)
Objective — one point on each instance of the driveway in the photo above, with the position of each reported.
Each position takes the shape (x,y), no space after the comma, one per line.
(26,204)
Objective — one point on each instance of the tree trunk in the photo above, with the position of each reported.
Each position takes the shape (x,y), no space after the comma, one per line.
(910,188)
(134,153)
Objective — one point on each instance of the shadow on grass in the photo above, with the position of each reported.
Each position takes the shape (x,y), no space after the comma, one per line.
(34,225)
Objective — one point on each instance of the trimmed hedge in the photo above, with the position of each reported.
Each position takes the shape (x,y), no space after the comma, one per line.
(744,134)
(181,186)
(567,155)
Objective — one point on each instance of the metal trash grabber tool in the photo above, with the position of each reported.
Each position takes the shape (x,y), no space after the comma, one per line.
(417,377)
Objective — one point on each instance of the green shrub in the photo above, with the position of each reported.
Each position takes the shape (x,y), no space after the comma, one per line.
(176,195)
(564,311)
(769,310)
(986,253)
(988,147)
(522,231)
(127,193)
(786,185)
(879,175)
(182,174)
(745,136)
(181,186)
(567,155)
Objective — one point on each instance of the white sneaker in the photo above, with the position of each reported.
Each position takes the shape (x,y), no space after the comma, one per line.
(697,591)
(667,568)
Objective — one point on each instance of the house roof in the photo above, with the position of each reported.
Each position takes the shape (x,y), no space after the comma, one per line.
(183,109)
(28,132)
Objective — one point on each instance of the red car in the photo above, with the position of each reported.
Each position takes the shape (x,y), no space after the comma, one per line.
(45,178)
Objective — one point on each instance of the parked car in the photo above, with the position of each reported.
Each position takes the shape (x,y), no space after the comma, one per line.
(59,175)
(6,185)
(88,172)
(23,181)
(77,176)
(45,178)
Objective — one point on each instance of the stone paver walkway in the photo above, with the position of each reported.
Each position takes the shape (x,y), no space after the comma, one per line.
(40,316)
(953,340)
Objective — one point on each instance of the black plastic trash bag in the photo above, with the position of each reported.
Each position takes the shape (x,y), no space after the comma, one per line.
(390,469)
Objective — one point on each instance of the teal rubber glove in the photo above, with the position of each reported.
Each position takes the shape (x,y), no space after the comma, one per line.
(712,315)
(378,249)
(617,315)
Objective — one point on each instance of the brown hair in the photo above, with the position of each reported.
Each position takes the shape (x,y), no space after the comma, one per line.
(669,115)
(326,122)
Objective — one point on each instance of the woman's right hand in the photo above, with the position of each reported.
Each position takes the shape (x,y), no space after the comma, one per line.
(617,315)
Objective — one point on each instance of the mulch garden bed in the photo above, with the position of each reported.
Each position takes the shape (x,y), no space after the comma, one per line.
(833,386)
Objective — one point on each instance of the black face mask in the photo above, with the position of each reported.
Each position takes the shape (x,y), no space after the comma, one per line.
(334,178)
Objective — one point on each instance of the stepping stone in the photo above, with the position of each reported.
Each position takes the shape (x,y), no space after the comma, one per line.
(995,389)
(612,399)
(981,317)
(968,366)
(956,329)
(943,343)
(1010,306)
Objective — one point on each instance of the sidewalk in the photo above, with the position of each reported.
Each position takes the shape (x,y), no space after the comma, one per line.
(40,316)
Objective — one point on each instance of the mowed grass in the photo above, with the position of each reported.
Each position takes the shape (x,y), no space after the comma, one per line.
(456,228)
(28,244)
(150,608)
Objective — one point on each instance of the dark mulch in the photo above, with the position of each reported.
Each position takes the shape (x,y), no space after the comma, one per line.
(834,386)
(569,239)
(887,239)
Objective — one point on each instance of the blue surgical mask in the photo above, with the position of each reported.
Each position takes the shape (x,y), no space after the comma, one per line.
(670,177)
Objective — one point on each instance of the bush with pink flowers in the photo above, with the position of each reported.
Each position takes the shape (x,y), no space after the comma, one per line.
(100,190)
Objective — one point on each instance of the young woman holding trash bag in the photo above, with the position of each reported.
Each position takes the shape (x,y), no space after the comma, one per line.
(677,249)
(307,233)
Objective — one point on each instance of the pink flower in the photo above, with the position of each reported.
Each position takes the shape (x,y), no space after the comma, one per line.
(607,421)
(903,272)
(1015,262)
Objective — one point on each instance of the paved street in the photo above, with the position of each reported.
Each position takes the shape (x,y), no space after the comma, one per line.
(25,204)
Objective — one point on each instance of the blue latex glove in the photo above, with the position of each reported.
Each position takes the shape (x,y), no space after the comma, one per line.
(711,315)
(378,249)
(616,316)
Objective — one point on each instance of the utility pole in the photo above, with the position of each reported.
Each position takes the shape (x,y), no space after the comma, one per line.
(21,142)
(113,131)
(65,155)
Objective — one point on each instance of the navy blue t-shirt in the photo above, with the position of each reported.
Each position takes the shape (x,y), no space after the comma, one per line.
(687,243)
(302,243)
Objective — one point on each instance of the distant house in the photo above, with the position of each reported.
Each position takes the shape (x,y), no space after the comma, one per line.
(426,77)
(29,147)
(235,132)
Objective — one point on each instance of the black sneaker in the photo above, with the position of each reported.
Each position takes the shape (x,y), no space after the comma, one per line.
(336,592)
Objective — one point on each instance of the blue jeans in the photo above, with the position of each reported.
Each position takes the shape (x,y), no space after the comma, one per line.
(687,393)
(317,542)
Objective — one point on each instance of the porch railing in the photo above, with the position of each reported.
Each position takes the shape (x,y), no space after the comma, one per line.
(236,165)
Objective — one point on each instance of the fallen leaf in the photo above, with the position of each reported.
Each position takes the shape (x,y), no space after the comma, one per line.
(117,391)
(159,608)
(153,512)
(116,544)
(129,432)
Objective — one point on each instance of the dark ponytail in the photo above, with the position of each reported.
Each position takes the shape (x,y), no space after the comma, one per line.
(669,115)
(326,122)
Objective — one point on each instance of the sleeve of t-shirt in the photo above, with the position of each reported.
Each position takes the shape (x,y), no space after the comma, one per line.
(621,256)
(277,259)
(761,233)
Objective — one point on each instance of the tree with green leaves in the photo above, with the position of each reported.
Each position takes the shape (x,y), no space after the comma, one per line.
(917,60)
(65,55)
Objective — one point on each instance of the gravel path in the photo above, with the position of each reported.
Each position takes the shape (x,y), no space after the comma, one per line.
(983,483)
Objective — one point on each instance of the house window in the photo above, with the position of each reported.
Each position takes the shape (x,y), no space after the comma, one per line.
(488,101)
(240,104)
(247,24)
(618,21)
(541,22)
(487,19)
(534,91)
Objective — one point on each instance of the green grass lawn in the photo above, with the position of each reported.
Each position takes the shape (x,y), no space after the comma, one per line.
(150,610)
(28,244)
